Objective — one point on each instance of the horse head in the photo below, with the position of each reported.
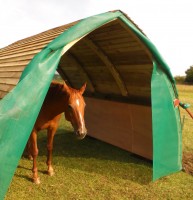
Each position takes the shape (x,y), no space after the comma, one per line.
(74,109)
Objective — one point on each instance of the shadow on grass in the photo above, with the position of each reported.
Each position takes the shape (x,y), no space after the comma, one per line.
(95,156)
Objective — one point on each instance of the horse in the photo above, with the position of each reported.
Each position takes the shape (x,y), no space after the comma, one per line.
(60,98)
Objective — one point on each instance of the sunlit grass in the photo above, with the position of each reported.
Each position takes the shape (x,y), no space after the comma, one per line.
(91,169)
(186,96)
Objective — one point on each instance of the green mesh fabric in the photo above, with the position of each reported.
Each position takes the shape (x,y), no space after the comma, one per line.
(167,135)
(20,108)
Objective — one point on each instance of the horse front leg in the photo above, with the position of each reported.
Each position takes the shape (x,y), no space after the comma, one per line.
(34,153)
(28,150)
(50,136)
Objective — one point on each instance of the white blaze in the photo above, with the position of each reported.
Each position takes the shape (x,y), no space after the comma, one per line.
(77,102)
(80,115)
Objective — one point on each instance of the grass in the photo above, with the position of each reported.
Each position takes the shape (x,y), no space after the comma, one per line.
(90,169)
(186,96)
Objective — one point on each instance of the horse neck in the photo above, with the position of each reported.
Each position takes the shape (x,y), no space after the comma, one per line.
(55,103)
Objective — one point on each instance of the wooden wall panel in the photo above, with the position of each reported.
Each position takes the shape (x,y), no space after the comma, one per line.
(127,126)
(142,143)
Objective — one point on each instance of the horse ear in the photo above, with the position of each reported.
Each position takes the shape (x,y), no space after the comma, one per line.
(66,88)
(82,89)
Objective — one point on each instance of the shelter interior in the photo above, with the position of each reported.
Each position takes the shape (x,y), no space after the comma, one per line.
(117,68)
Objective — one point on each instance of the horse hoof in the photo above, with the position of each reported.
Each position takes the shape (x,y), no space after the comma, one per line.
(36,181)
(30,157)
(50,173)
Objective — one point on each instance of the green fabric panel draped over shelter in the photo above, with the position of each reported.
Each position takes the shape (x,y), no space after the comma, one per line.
(20,108)
(167,151)
(167,148)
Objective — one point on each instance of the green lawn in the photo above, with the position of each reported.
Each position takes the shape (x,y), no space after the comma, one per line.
(186,95)
(90,169)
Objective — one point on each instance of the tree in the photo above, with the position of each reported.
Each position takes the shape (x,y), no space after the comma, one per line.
(189,75)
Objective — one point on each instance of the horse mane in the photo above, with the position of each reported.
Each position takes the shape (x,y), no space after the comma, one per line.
(56,88)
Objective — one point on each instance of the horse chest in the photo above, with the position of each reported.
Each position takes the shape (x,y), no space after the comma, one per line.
(47,122)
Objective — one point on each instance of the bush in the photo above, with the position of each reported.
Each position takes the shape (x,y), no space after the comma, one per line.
(189,75)
(180,79)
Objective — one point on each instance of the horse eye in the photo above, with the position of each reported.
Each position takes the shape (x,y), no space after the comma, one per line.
(69,107)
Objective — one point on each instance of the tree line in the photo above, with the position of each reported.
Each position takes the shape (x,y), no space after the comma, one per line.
(187,79)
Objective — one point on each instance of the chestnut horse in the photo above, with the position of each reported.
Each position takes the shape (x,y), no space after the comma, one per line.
(60,98)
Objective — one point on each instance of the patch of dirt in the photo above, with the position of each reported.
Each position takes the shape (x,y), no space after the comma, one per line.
(187,163)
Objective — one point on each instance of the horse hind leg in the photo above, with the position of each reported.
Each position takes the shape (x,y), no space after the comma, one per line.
(34,153)
(51,133)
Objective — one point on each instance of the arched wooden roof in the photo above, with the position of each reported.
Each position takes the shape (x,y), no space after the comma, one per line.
(15,57)
(111,59)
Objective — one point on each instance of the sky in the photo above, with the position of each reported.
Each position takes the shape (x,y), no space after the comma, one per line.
(167,23)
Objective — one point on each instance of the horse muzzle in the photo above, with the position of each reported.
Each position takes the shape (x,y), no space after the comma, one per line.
(80,134)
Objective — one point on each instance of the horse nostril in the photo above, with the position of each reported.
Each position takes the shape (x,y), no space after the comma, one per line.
(77,132)
(80,134)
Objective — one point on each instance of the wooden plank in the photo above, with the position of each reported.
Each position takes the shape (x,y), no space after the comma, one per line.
(129,72)
(121,49)
(2,94)
(113,25)
(99,73)
(6,88)
(75,80)
(11,81)
(139,91)
(138,80)
(99,76)
(16,63)
(33,39)
(10,74)
(130,58)
(146,67)
(109,35)
(137,39)
(64,76)
(121,43)
(102,32)
(131,46)
(23,47)
(88,60)
(74,60)
(27,48)
(12,68)
(81,49)
(109,65)
(107,88)
(19,58)
(116,41)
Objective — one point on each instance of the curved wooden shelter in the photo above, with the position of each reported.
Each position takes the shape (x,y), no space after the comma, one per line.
(111,59)
(130,89)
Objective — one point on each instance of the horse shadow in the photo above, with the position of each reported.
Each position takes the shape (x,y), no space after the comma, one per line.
(97,156)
